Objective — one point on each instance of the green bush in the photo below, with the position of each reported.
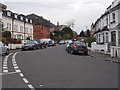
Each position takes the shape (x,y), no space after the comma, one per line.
(89,40)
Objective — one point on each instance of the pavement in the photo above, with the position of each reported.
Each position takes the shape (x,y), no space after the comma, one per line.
(105,57)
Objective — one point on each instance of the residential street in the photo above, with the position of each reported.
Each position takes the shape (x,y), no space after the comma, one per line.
(53,67)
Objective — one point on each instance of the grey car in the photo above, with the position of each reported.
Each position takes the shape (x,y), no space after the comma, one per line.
(4,49)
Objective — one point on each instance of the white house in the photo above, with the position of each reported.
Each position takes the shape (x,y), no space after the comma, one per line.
(19,26)
(107,29)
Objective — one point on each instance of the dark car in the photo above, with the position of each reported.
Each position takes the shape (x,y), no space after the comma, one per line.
(61,42)
(77,47)
(42,44)
(30,45)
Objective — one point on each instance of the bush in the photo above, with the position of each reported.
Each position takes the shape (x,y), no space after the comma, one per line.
(89,40)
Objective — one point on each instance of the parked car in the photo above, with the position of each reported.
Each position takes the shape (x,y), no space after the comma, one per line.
(51,43)
(30,45)
(42,43)
(68,44)
(77,47)
(61,42)
(4,49)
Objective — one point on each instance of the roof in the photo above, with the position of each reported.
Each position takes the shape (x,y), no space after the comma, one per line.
(102,30)
(13,14)
(118,26)
(2,6)
(40,20)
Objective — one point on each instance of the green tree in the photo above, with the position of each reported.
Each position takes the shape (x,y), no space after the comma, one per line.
(6,34)
(66,36)
(82,34)
(87,33)
(68,30)
(6,37)
(51,35)
(28,38)
(89,40)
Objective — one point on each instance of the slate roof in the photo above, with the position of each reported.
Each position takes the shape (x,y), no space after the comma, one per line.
(39,20)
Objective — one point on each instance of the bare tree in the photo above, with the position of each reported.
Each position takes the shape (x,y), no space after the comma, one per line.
(71,23)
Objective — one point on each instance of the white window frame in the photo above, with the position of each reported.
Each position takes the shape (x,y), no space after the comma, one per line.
(9,13)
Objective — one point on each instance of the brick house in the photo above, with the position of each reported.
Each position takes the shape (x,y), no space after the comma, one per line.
(41,27)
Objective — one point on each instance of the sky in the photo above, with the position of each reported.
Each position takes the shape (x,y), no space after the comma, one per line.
(82,12)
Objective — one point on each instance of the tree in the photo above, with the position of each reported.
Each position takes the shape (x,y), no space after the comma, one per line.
(82,34)
(71,23)
(89,40)
(6,37)
(51,35)
(68,30)
(6,34)
(28,38)
(66,36)
(87,33)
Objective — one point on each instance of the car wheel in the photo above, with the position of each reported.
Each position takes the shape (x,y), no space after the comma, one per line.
(23,49)
(34,48)
(7,52)
(86,54)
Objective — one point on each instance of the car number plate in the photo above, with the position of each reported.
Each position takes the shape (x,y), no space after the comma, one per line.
(81,52)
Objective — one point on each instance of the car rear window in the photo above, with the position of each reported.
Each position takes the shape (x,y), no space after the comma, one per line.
(30,42)
(80,44)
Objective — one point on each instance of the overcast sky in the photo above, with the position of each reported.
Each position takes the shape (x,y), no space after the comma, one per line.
(82,12)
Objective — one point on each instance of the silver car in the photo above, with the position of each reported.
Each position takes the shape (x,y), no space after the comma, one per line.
(4,49)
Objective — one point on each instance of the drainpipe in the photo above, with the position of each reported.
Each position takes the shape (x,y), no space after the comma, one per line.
(12,32)
(24,31)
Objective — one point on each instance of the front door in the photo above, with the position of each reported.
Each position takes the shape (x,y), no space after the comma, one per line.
(113,38)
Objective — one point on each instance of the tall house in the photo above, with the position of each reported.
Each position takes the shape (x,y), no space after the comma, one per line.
(42,27)
(107,28)
(18,25)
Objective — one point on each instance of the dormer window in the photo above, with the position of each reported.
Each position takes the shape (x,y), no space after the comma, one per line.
(21,18)
(9,13)
(30,21)
(26,20)
(15,16)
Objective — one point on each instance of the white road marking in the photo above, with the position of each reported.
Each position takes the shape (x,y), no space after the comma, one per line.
(21,75)
(5,71)
(14,62)
(16,67)
(41,85)
(31,87)
(5,67)
(25,80)
(5,62)
(18,71)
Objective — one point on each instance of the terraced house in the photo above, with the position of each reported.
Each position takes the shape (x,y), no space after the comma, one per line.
(18,24)
(107,30)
